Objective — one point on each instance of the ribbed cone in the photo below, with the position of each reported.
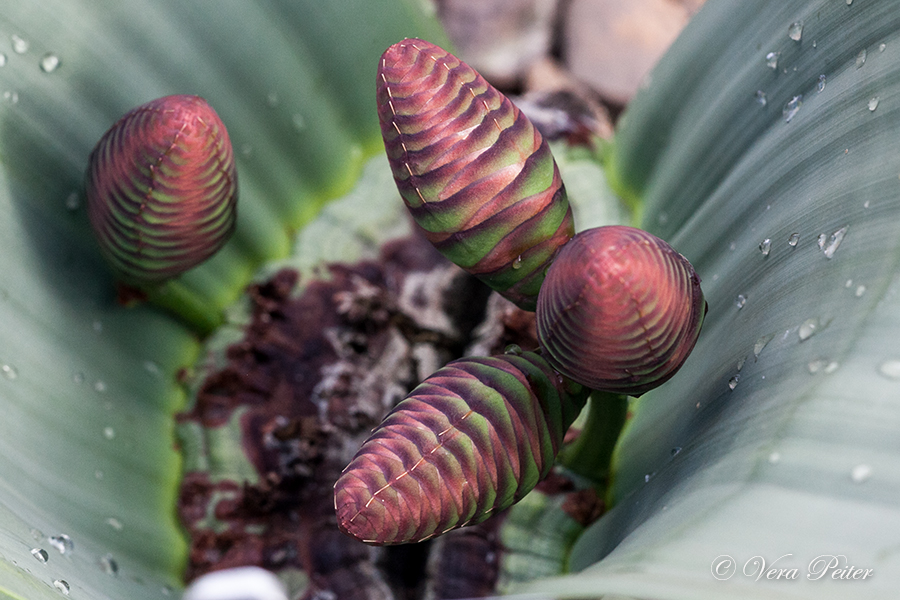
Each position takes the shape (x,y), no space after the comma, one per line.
(162,189)
(474,172)
(470,440)
(620,310)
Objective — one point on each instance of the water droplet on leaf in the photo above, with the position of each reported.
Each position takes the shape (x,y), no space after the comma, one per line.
(808,328)
(861,58)
(860,290)
(890,369)
(860,473)
(775,458)
(100,386)
(115,523)
(732,383)
(772,60)
(834,241)
(62,542)
(820,86)
(794,240)
(881,47)
(795,31)
(62,585)
(791,107)
(40,554)
(109,433)
(517,264)
(50,62)
(9,371)
(759,345)
(109,565)
(675,451)
(19,45)
(740,301)
(761,98)
(873,103)
(2,59)
(765,246)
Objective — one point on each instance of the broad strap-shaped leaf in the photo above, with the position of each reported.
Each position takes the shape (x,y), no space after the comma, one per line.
(475,173)
(470,440)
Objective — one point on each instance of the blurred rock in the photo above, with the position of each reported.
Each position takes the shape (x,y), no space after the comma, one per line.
(562,106)
(613,44)
(500,38)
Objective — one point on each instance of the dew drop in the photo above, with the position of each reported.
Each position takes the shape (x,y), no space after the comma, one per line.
(2,59)
(109,433)
(849,2)
(860,290)
(794,240)
(866,204)
(78,377)
(648,477)
(834,241)
(848,284)
(62,542)
(861,58)
(151,367)
(73,201)
(814,366)
(808,328)
(881,47)
(50,62)
(675,451)
(100,386)
(772,60)
(9,371)
(791,107)
(761,98)
(115,523)
(62,585)
(820,86)
(775,458)
(860,473)
(740,301)
(821,241)
(732,383)
(517,264)
(795,31)
(873,103)
(40,554)
(109,565)
(890,369)
(740,363)
(765,246)
(759,345)
(513,350)
(11,97)
(831,367)
(19,45)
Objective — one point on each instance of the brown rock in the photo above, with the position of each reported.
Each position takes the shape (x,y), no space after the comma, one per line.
(499,38)
(612,45)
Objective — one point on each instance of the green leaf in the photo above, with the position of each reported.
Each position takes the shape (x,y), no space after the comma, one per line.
(88,387)
(800,457)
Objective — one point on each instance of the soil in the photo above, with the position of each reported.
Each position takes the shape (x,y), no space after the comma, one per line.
(314,373)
